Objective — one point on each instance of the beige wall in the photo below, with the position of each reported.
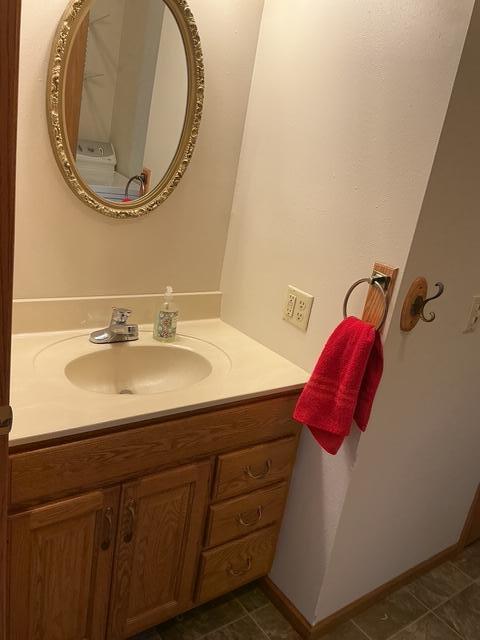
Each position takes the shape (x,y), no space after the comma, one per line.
(65,249)
(418,464)
(169,98)
(346,109)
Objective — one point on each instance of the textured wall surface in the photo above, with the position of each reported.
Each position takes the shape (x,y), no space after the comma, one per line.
(347,104)
(65,249)
(418,464)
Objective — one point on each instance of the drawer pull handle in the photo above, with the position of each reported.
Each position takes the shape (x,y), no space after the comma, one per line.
(268,467)
(241,518)
(107,529)
(240,572)
(128,536)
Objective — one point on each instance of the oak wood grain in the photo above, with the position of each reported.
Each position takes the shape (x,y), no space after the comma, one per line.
(418,289)
(240,516)
(9,45)
(249,469)
(59,573)
(156,534)
(4,461)
(227,567)
(374,304)
(157,549)
(9,49)
(99,461)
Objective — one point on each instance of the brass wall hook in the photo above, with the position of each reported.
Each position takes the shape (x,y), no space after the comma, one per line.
(415,302)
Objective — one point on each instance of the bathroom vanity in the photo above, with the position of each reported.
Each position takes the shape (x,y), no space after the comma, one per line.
(144,479)
(114,528)
(112,534)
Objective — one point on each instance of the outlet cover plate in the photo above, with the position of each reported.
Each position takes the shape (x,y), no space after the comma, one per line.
(474,317)
(298,307)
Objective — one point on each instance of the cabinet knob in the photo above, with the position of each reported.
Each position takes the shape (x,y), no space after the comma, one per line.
(130,527)
(107,529)
(268,467)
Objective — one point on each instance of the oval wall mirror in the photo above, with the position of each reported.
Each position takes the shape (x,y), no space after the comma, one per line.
(124,101)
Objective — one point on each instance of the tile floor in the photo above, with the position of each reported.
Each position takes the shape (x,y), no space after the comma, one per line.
(441,605)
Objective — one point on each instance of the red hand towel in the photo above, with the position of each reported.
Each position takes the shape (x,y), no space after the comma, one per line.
(343,384)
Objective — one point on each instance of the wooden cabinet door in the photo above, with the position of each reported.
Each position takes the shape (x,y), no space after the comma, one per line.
(61,558)
(158,547)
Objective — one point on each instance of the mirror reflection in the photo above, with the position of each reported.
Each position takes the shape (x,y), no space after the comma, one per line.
(126,96)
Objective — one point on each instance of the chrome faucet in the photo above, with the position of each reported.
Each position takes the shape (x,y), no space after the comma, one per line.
(119,329)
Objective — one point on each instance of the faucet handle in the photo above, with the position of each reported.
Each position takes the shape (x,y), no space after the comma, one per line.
(120,315)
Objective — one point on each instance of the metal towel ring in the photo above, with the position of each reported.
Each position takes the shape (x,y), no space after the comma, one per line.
(379,281)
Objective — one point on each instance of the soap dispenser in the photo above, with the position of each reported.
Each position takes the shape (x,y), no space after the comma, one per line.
(165,326)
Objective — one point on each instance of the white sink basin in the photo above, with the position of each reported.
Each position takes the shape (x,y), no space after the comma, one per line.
(48,404)
(127,369)
(143,367)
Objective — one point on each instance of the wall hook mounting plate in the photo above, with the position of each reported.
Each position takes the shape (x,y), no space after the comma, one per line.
(415,301)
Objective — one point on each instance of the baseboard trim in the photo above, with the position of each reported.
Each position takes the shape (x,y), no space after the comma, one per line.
(287,608)
(309,631)
(471,530)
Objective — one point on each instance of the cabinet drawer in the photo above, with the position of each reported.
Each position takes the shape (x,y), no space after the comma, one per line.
(243,515)
(252,468)
(227,567)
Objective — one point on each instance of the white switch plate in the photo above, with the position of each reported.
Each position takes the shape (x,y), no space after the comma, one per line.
(297,309)
(474,317)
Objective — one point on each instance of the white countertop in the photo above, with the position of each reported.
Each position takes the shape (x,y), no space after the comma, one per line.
(47,405)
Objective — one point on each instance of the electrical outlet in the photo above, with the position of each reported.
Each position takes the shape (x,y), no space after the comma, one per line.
(474,316)
(298,306)
(291,303)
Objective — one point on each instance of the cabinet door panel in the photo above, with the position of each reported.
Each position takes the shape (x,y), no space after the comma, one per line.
(159,537)
(60,568)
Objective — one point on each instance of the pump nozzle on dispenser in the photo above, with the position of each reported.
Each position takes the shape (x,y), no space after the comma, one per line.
(168,297)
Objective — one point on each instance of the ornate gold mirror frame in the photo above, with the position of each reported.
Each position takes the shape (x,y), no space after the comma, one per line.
(64,37)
